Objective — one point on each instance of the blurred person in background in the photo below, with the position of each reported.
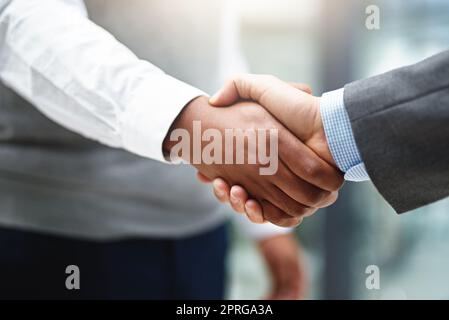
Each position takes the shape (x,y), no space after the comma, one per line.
(135,227)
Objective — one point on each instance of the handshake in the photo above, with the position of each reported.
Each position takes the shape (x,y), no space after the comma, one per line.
(304,177)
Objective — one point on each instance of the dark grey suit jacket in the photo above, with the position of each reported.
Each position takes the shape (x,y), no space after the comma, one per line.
(400,121)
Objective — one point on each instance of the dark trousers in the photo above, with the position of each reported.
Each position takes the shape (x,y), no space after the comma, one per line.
(33,266)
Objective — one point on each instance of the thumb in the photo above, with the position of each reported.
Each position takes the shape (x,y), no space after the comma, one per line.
(242,86)
(248,86)
(226,96)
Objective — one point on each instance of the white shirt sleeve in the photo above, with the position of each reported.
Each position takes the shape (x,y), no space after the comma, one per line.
(81,77)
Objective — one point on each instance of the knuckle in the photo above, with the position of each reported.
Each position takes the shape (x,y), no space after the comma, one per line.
(313,170)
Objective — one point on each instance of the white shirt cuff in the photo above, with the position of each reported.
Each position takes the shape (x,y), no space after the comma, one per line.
(148,117)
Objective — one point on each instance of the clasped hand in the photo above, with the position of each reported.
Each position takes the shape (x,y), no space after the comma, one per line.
(306,179)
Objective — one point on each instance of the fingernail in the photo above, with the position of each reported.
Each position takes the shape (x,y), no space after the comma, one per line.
(234,198)
(217,188)
(253,216)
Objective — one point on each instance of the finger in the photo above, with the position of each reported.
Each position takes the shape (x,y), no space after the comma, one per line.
(277,216)
(301,86)
(306,164)
(254,211)
(301,190)
(227,95)
(202,178)
(288,205)
(221,190)
(238,197)
(331,199)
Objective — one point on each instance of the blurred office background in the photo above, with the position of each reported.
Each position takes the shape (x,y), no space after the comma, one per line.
(326,44)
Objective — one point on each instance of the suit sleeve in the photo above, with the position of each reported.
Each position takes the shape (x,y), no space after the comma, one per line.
(400,121)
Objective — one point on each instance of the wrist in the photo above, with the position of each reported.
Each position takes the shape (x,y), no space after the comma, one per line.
(318,141)
(191,112)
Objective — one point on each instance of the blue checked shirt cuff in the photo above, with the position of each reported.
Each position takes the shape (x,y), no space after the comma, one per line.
(340,137)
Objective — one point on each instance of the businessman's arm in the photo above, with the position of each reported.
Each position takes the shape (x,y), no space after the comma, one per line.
(400,121)
(393,127)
